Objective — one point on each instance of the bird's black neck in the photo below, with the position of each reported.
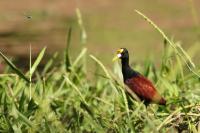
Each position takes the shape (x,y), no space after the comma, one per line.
(127,71)
(125,62)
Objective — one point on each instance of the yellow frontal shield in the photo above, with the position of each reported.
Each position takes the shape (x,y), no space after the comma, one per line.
(119,52)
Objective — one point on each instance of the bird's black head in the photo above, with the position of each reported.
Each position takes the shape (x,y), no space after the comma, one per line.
(122,53)
(127,71)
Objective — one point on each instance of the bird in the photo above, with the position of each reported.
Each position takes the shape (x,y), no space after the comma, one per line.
(136,82)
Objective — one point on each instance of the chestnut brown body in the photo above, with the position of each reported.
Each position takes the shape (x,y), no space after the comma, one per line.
(144,89)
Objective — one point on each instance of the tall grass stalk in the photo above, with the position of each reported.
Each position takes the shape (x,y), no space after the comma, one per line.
(184,56)
(30,74)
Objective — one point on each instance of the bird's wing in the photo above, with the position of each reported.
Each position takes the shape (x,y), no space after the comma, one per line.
(143,88)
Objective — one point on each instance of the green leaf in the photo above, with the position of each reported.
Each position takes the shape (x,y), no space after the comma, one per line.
(5,111)
(24,119)
(14,68)
(22,102)
(37,61)
(32,105)
(49,64)
(67,59)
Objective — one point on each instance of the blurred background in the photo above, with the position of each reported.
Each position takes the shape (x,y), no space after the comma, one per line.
(108,24)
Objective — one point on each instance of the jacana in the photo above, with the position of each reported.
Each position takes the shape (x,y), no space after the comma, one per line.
(137,83)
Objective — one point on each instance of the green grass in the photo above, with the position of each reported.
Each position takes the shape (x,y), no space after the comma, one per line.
(67,97)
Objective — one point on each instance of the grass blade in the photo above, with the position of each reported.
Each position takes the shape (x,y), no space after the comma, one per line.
(80,56)
(75,87)
(186,60)
(24,119)
(105,71)
(80,22)
(67,59)
(14,68)
(37,61)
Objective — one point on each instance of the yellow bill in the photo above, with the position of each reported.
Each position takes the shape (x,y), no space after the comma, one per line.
(115,58)
(119,54)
